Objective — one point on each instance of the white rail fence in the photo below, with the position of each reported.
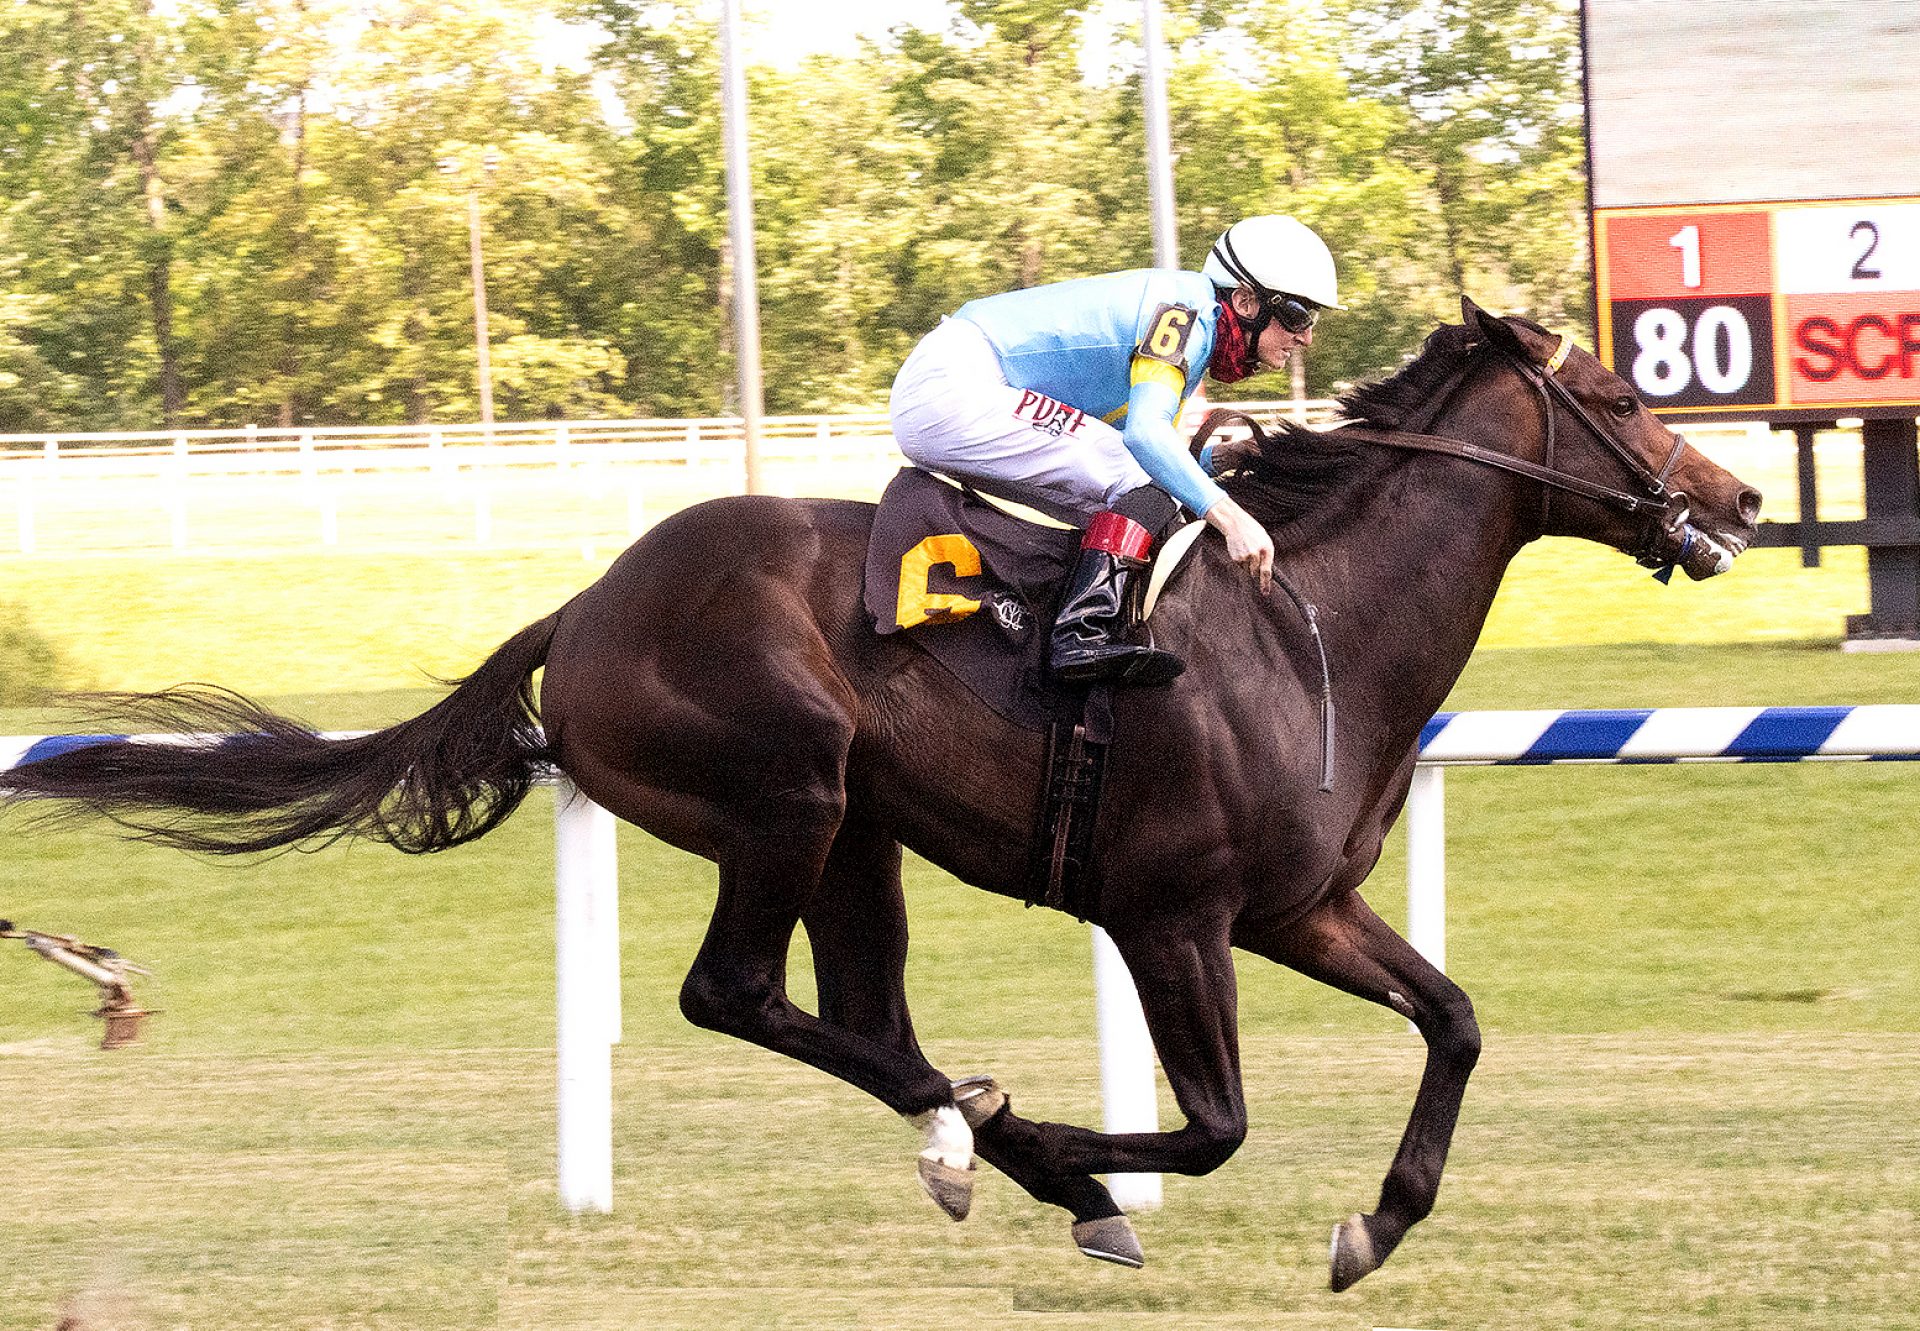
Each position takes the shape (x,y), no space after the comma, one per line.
(587,908)
(516,484)
(717,441)
(1621,736)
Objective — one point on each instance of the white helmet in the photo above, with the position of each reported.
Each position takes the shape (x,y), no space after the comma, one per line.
(1274,255)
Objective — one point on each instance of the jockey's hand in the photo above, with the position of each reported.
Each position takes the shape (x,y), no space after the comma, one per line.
(1248,543)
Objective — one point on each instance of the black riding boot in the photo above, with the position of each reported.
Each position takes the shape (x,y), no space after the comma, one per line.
(1097,613)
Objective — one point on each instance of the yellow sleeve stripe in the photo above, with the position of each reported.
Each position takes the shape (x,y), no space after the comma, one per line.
(1146,370)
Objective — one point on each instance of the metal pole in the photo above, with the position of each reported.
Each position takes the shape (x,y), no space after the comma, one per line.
(480,310)
(1153,83)
(746,292)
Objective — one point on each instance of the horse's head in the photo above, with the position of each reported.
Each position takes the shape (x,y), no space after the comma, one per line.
(1639,486)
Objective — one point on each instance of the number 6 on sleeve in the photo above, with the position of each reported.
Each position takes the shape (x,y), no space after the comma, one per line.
(1168,333)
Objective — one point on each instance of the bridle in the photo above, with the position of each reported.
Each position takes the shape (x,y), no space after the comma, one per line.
(1666,507)
(1666,540)
(1666,535)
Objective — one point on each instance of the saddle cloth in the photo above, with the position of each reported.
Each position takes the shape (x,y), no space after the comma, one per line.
(976,586)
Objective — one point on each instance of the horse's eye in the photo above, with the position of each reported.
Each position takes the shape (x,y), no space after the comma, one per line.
(1624,407)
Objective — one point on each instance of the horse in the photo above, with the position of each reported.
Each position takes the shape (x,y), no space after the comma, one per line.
(721,687)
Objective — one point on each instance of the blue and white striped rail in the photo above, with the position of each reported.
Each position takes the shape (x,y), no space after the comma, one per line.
(17,749)
(1637,735)
(1673,735)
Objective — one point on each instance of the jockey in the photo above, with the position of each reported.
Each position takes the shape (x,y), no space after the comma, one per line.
(1071,391)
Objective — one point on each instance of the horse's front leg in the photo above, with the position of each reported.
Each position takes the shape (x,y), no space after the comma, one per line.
(1341,942)
(857,930)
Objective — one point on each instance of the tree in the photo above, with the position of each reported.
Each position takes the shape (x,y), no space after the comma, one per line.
(1491,88)
(221,213)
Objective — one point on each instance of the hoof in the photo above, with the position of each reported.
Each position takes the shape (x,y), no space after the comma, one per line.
(1352,1255)
(979,1099)
(1110,1239)
(950,1188)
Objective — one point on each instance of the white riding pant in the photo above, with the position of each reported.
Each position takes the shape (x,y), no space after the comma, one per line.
(954,411)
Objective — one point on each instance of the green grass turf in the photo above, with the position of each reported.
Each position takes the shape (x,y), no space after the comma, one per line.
(1699,988)
(1601,1182)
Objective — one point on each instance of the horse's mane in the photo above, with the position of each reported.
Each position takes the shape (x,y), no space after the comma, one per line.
(1296,467)
(1388,403)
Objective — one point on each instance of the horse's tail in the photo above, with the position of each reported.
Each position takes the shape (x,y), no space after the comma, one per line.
(449,775)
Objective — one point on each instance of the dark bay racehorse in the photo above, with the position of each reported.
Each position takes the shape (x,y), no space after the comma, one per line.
(721,687)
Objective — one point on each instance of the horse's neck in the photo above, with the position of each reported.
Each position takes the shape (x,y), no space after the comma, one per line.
(1406,581)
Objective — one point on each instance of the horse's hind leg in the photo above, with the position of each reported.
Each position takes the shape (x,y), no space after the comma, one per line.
(728,736)
(1342,942)
(857,928)
(736,984)
(1183,968)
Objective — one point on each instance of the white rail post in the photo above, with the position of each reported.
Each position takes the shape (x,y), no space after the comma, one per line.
(1427,865)
(1126,1068)
(587,986)
(177,493)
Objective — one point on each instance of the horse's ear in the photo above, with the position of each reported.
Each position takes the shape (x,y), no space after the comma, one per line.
(1492,327)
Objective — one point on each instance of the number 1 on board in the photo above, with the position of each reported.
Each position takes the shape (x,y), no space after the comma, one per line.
(1687,241)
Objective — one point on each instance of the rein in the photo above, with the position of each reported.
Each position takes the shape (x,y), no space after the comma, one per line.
(1665,507)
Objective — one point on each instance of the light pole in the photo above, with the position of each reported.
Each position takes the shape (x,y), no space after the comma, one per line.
(1153,87)
(746,293)
(489,162)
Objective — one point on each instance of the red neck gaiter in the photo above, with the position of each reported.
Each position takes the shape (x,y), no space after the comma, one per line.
(1233,352)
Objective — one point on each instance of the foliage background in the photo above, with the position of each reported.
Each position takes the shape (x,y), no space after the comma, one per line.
(215,212)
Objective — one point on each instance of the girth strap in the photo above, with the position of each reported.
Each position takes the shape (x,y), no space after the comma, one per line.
(1062,853)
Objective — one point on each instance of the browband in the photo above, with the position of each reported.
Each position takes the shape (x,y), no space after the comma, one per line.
(1559,356)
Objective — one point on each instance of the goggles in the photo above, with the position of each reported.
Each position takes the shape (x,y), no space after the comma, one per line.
(1292,313)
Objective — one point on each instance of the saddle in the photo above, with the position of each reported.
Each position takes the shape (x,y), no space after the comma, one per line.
(973,578)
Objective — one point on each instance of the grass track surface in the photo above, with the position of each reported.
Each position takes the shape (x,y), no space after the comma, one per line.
(1607,1182)
(1699,985)
(1696,1103)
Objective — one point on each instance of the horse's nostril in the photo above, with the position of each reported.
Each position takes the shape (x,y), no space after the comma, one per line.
(1749,506)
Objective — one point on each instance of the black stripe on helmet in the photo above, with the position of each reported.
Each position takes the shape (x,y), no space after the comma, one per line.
(1223,250)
